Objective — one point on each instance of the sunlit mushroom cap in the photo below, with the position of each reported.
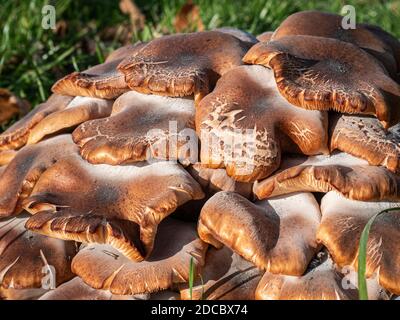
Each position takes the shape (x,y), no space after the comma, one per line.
(351,176)
(225,276)
(327,74)
(30,263)
(244,122)
(158,127)
(17,135)
(365,137)
(6,156)
(20,175)
(117,205)
(265,36)
(240,34)
(103,267)
(324,282)
(343,221)
(277,235)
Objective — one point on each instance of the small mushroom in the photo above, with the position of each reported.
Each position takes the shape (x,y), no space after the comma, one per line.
(79,110)
(324,282)
(342,223)
(102,267)
(327,74)
(17,135)
(30,263)
(117,205)
(365,137)
(265,36)
(370,38)
(341,172)
(225,276)
(20,175)
(244,123)
(127,134)
(277,235)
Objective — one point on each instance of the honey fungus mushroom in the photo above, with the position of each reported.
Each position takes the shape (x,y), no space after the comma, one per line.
(117,205)
(277,235)
(140,127)
(174,65)
(27,258)
(20,175)
(351,176)
(343,221)
(327,74)
(244,125)
(102,267)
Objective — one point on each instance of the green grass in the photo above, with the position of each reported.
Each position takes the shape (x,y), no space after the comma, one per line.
(32,58)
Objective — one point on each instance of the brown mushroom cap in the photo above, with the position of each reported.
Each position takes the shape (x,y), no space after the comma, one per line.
(341,172)
(24,254)
(103,267)
(21,174)
(277,235)
(265,36)
(17,135)
(6,156)
(117,205)
(246,108)
(100,81)
(225,276)
(324,282)
(365,137)
(240,34)
(79,110)
(183,64)
(328,25)
(127,134)
(327,74)
(342,223)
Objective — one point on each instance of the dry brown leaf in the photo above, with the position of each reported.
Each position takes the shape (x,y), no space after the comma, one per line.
(136,16)
(188,18)
(11,105)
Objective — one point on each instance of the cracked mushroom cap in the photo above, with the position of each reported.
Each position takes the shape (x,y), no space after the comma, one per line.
(103,267)
(25,258)
(225,276)
(101,81)
(277,235)
(20,175)
(117,205)
(370,38)
(245,124)
(17,135)
(183,64)
(327,74)
(365,137)
(324,282)
(341,172)
(342,223)
(79,110)
(157,127)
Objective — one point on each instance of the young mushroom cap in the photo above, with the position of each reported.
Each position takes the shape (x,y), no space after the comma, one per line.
(324,282)
(341,172)
(365,137)
(26,258)
(183,64)
(225,276)
(20,175)
(117,205)
(331,26)
(140,127)
(102,267)
(244,122)
(17,135)
(79,110)
(342,223)
(277,235)
(327,74)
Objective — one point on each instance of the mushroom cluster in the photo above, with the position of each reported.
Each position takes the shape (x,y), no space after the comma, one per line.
(253,162)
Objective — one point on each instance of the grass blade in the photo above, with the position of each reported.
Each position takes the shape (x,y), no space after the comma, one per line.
(191,278)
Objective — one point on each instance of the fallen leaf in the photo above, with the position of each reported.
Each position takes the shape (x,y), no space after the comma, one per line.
(136,16)
(188,18)
(11,105)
